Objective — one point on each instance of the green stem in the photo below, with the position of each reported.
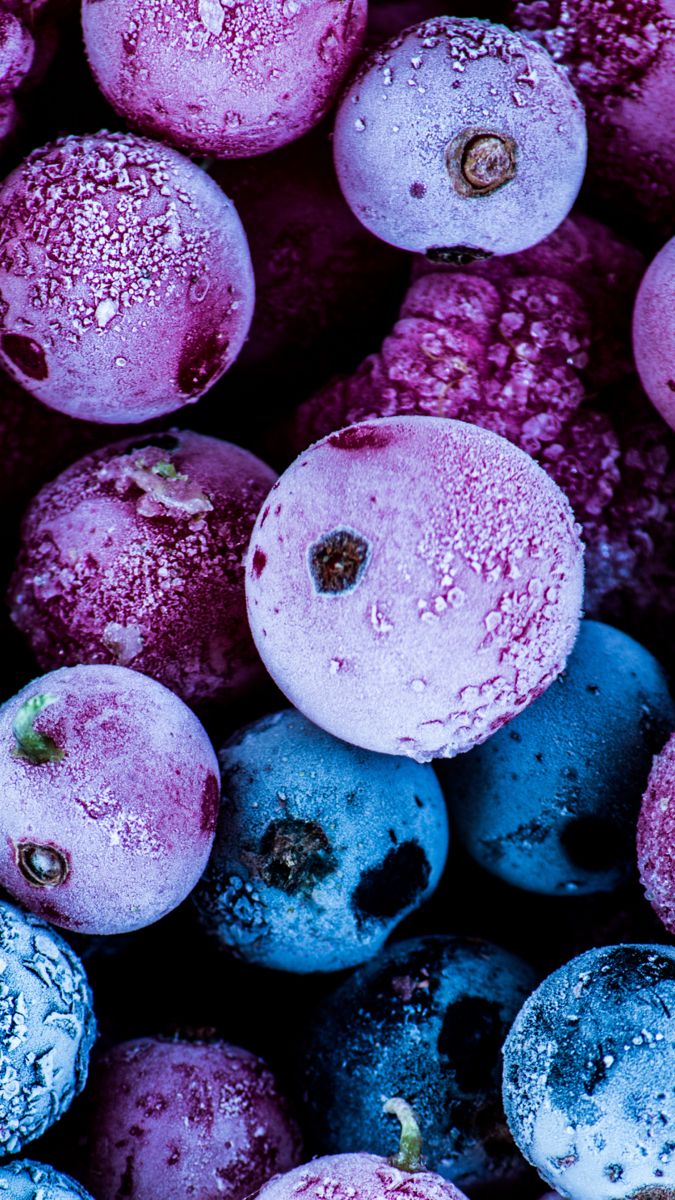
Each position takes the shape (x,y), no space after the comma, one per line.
(409,1156)
(32,745)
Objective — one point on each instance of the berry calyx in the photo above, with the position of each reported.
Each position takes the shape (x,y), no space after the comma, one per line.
(43,866)
(479,161)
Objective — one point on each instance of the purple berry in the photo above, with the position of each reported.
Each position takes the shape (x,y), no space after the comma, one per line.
(170,1119)
(134,556)
(113,245)
(460,139)
(223,79)
(16,52)
(413,583)
(654,332)
(111,793)
(655,840)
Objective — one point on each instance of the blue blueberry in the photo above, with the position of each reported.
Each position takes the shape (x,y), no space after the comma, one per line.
(550,802)
(426,1021)
(26,1180)
(321,848)
(47,1027)
(588,1075)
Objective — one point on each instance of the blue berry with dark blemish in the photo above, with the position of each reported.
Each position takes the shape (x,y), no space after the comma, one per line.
(27,1180)
(321,848)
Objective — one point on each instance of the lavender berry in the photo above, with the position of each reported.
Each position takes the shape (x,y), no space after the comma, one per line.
(170,1119)
(112,244)
(47,1029)
(655,836)
(412,583)
(26,1180)
(459,139)
(321,848)
(111,793)
(654,332)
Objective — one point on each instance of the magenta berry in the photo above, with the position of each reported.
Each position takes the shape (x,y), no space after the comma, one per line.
(654,332)
(412,583)
(460,139)
(134,556)
(113,244)
(111,793)
(16,52)
(223,79)
(656,859)
(166,1120)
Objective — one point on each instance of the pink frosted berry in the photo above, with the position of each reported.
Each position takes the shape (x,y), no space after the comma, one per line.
(460,139)
(126,286)
(16,52)
(656,836)
(412,583)
(134,555)
(110,797)
(166,1120)
(654,332)
(226,79)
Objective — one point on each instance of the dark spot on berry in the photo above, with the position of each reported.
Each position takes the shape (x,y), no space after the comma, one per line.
(126,1187)
(174,1157)
(42,866)
(418,190)
(613,1172)
(210,804)
(385,890)
(160,441)
(470,1040)
(593,843)
(593,689)
(26,354)
(295,855)
(259,563)
(202,359)
(515,736)
(337,561)
(456,256)
(671,384)
(361,437)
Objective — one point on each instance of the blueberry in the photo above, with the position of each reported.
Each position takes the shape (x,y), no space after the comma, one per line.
(23,1179)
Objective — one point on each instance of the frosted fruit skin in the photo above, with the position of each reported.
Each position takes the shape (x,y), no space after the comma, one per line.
(134,556)
(366,834)
(656,860)
(426,1020)
(467,603)
(16,52)
(588,1069)
(363,1176)
(549,803)
(418,93)
(112,244)
(27,1180)
(167,1120)
(47,1029)
(231,80)
(130,808)
(654,332)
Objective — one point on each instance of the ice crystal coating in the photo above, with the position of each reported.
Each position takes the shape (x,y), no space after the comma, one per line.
(655,841)
(134,556)
(468,603)
(460,134)
(321,848)
(176,1119)
(16,52)
(654,332)
(222,78)
(362,1176)
(23,1179)
(588,1071)
(550,802)
(47,1030)
(116,830)
(111,245)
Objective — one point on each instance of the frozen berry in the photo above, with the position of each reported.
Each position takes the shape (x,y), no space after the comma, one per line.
(223,79)
(171,1119)
(654,332)
(413,583)
(26,1180)
(126,286)
(550,802)
(47,1027)
(588,1075)
(425,1020)
(655,842)
(321,848)
(134,556)
(16,52)
(111,793)
(460,139)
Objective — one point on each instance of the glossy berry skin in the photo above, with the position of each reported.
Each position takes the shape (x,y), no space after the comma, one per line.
(112,244)
(654,332)
(170,1119)
(361,1176)
(321,848)
(549,803)
(134,556)
(430,604)
(112,790)
(23,1179)
(426,1019)
(47,1029)
(588,1069)
(424,168)
(229,81)
(655,836)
